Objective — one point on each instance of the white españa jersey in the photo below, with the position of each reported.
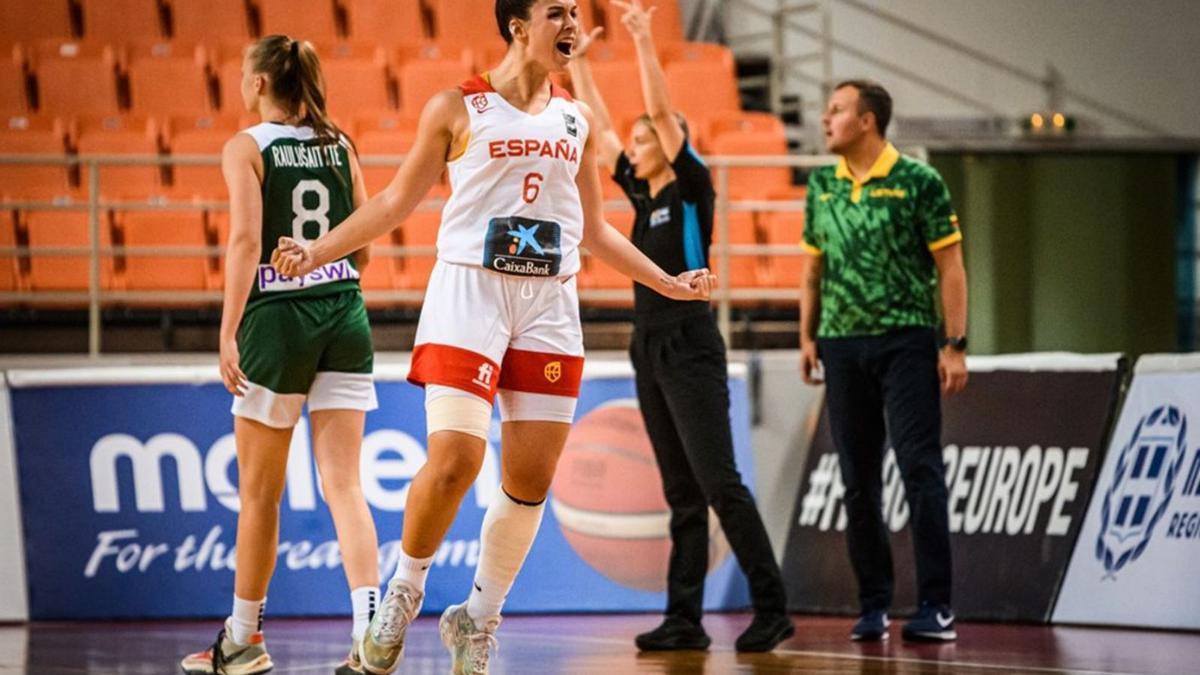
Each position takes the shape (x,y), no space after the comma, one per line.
(514,206)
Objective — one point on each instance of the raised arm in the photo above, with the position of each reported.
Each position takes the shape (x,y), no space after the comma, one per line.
(614,249)
(608,145)
(654,81)
(442,118)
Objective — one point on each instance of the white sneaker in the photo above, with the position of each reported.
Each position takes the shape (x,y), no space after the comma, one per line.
(383,645)
(469,645)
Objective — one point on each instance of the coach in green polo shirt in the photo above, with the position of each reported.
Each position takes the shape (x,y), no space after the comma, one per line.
(883,245)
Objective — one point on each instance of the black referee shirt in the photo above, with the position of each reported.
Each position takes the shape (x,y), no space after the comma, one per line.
(674,228)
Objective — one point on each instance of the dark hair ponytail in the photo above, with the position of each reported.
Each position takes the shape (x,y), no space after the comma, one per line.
(294,71)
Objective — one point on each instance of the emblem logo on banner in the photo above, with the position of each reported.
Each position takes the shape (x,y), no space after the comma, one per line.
(1142,487)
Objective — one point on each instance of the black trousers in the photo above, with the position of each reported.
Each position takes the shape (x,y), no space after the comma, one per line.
(890,377)
(683,390)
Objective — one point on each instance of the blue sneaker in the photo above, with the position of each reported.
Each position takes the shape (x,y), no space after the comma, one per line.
(872,626)
(931,623)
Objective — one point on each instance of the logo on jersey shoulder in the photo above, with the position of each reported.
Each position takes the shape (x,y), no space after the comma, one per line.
(572,127)
(553,371)
(531,147)
(480,103)
(660,216)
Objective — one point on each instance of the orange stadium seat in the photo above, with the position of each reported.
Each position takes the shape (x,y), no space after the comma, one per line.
(199,20)
(421,79)
(33,135)
(386,22)
(465,22)
(714,55)
(753,183)
(229,80)
(741,122)
(75,78)
(430,51)
(381,273)
(610,50)
(168,79)
(744,270)
(198,136)
(356,85)
(9,268)
(59,272)
(420,229)
(784,229)
(218,232)
(667,24)
(121,135)
(599,274)
(698,90)
(619,84)
(148,229)
(117,20)
(299,19)
(26,20)
(14,94)
(383,134)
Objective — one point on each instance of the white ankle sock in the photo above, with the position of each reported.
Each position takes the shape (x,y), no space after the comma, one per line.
(246,619)
(412,571)
(508,531)
(363,600)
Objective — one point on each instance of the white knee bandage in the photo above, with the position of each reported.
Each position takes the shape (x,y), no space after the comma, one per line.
(448,409)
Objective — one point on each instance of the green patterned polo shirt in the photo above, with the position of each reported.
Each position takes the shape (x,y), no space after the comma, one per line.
(875,236)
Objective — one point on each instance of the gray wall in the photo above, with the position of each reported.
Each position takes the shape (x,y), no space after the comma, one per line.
(1141,57)
(781,438)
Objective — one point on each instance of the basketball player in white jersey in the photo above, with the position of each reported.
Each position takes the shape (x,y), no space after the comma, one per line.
(501,311)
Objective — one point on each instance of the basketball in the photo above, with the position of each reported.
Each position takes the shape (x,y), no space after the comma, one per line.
(608,498)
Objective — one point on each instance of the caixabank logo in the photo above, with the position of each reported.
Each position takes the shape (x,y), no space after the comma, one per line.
(1143,485)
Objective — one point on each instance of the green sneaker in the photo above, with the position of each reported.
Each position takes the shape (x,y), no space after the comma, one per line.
(469,645)
(383,645)
(227,657)
(353,664)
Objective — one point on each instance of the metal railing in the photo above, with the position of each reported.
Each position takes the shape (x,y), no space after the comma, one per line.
(785,24)
(96,296)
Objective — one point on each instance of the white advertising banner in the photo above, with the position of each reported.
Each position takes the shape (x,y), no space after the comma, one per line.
(1135,559)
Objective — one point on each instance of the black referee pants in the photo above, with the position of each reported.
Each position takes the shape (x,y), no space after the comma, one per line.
(890,377)
(683,390)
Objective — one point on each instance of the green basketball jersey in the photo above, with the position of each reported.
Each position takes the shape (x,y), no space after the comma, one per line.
(307,190)
(875,237)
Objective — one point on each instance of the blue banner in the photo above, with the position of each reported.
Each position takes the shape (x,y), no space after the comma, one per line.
(129,503)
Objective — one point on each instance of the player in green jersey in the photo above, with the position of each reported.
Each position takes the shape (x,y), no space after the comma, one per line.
(286,341)
(883,245)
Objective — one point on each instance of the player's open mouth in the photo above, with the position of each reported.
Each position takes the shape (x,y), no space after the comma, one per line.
(564,47)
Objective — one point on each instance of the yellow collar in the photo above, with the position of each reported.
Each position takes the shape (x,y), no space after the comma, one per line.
(880,169)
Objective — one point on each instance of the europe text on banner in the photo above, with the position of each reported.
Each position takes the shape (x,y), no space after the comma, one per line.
(1022,445)
(1135,561)
(129,499)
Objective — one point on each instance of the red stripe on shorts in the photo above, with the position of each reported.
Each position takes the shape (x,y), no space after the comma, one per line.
(541,373)
(454,367)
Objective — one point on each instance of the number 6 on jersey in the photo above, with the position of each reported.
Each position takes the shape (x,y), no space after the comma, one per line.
(533,187)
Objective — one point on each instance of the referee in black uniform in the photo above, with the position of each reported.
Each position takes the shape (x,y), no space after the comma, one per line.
(679,356)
